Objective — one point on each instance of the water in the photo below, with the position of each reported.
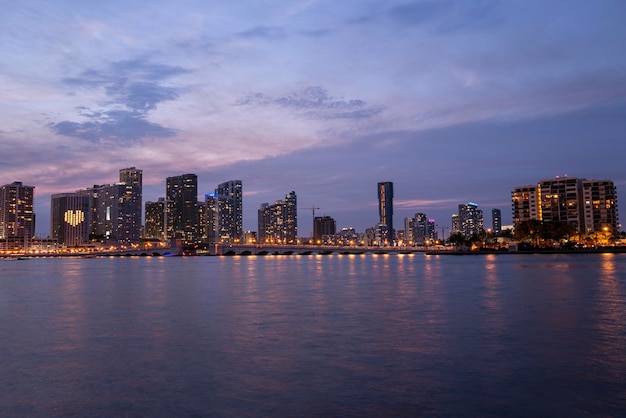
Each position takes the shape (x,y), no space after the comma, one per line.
(349,335)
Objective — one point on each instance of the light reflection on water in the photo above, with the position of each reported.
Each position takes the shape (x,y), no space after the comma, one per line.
(340,335)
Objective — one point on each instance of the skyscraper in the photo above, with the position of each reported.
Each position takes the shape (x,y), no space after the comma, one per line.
(230,194)
(420,228)
(70,218)
(385,210)
(17,219)
(409,230)
(278,223)
(155,219)
(130,213)
(182,212)
(470,219)
(496,221)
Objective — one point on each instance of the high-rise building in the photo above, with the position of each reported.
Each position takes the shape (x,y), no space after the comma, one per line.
(470,219)
(323,226)
(409,229)
(600,206)
(182,207)
(278,223)
(17,219)
(560,199)
(432,229)
(107,213)
(525,204)
(456,223)
(385,211)
(211,221)
(230,194)
(420,232)
(70,218)
(587,205)
(496,221)
(130,214)
(155,219)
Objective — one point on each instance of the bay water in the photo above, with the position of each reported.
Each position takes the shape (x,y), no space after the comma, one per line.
(322,335)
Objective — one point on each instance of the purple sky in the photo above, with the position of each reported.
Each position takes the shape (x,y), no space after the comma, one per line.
(453,101)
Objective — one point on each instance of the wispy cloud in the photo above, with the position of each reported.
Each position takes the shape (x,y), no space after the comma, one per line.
(266,32)
(315,102)
(132,89)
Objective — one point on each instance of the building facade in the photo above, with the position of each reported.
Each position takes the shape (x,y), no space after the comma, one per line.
(587,205)
(181,194)
(278,223)
(470,219)
(323,226)
(17,219)
(525,204)
(155,219)
(496,221)
(130,213)
(600,206)
(385,212)
(230,194)
(70,219)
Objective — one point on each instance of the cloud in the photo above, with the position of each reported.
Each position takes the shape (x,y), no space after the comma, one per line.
(315,102)
(265,32)
(132,89)
(121,126)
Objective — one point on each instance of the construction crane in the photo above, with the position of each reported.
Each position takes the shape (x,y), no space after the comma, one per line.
(313,212)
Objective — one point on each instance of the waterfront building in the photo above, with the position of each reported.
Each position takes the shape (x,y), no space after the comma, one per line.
(600,206)
(70,219)
(249,237)
(525,204)
(385,212)
(17,219)
(182,208)
(409,229)
(155,219)
(211,220)
(107,212)
(496,221)
(456,224)
(431,230)
(470,219)
(278,223)
(560,199)
(131,203)
(230,194)
(420,233)
(587,205)
(323,225)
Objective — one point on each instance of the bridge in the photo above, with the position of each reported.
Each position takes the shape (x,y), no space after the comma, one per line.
(271,249)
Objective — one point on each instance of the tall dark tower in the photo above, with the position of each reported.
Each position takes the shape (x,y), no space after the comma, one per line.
(130,213)
(385,210)
(496,219)
(182,207)
(231,214)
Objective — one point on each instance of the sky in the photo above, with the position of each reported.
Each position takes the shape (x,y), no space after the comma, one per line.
(451,100)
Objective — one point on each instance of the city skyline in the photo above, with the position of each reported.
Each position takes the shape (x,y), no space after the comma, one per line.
(452,101)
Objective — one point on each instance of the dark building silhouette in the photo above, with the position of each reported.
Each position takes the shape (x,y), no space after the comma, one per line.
(17,219)
(496,221)
(385,211)
(323,225)
(278,223)
(182,207)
